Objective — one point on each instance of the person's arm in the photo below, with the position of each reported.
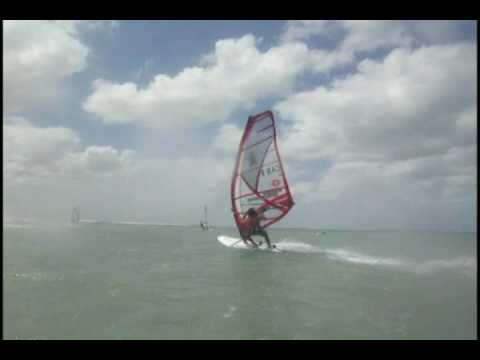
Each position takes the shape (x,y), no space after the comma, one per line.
(241,220)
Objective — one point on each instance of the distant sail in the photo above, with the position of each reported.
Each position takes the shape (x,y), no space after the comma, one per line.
(75,218)
(204,223)
(259,179)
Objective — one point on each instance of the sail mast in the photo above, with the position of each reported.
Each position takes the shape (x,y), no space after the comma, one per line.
(206,221)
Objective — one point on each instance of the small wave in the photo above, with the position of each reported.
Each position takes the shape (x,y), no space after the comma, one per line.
(8,226)
(19,225)
(38,276)
(35,276)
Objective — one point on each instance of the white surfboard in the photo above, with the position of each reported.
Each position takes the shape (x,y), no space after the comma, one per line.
(237,243)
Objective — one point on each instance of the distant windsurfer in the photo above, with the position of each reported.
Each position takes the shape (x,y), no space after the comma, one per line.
(249,225)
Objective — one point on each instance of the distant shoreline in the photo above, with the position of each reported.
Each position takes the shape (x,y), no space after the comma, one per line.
(21,222)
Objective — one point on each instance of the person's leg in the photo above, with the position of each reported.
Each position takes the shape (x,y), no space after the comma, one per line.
(264,234)
(244,236)
(247,237)
(253,242)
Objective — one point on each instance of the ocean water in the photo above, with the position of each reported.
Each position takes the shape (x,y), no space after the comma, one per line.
(127,281)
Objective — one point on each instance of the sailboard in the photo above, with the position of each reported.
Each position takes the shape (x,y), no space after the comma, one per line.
(239,244)
(259,180)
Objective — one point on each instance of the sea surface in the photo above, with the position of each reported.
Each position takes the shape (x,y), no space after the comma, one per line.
(139,281)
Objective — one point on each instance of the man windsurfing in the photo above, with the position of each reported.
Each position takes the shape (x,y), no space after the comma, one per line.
(249,225)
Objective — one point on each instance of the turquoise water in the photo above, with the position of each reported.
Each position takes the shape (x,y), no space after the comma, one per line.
(114,281)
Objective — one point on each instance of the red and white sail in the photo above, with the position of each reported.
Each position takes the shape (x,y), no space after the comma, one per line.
(259,179)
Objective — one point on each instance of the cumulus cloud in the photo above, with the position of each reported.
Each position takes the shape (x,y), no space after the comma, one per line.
(364,35)
(402,107)
(36,154)
(106,158)
(346,38)
(440,31)
(236,77)
(400,195)
(396,131)
(156,189)
(304,29)
(228,139)
(74,27)
(30,150)
(342,40)
(37,56)
(361,35)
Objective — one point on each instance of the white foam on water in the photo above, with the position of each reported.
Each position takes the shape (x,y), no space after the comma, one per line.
(464,264)
(299,247)
(359,258)
(230,312)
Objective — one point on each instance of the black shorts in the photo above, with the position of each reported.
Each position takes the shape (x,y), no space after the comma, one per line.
(259,231)
(256,231)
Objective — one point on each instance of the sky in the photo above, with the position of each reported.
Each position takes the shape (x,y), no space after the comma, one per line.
(141,120)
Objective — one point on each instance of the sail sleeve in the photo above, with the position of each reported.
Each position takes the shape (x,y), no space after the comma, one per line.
(259,180)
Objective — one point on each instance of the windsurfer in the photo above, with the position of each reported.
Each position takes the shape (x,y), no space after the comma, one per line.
(249,225)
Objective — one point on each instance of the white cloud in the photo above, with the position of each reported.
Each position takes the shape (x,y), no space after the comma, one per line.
(322,61)
(100,25)
(228,139)
(351,35)
(73,27)
(47,171)
(439,31)
(402,107)
(401,195)
(303,29)
(106,158)
(154,189)
(238,75)
(30,150)
(363,35)
(69,26)
(37,56)
(40,154)
(345,39)
(401,140)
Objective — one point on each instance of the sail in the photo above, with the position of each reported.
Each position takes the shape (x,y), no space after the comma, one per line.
(205,211)
(75,218)
(204,222)
(259,179)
